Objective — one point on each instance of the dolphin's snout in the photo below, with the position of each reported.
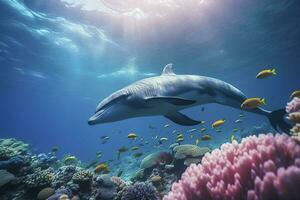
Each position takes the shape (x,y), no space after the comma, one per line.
(93,120)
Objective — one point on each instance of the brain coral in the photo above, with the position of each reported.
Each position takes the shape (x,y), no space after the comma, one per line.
(263,167)
(140,191)
(39,179)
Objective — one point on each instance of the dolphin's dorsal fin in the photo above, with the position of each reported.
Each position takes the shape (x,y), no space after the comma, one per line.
(168,70)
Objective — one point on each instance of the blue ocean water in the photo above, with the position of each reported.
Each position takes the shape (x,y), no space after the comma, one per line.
(58,59)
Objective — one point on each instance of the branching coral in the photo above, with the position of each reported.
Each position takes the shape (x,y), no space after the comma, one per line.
(39,179)
(263,167)
(293,108)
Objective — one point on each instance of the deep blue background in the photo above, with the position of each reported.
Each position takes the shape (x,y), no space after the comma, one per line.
(57,62)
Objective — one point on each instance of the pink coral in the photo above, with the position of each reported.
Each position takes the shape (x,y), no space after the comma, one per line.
(118,181)
(263,167)
(293,106)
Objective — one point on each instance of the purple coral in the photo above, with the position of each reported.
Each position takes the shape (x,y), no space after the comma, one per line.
(140,191)
(263,167)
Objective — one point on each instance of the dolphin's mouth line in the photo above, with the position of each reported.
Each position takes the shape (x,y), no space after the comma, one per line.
(93,120)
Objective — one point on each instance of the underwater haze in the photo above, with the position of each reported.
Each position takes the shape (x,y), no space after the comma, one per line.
(59,59)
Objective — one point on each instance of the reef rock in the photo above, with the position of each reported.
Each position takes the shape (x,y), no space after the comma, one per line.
(14,164)
(45,193)
(104,188)
(154,159)
(5,177)
(293,109)
(190,153)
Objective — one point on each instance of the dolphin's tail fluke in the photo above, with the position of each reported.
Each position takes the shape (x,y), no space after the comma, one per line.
(277,120)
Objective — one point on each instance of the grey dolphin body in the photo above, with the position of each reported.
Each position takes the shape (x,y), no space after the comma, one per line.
(169,93)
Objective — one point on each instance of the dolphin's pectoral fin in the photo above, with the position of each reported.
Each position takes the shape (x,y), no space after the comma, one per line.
(181,119)
(171,100)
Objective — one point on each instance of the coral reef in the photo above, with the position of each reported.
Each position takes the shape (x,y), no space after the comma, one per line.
(140,191)
(104,188)
(263,167)
(293,110)
(295,131)
(189,153)
(154,159)
(63,175)
(11,147)
(293,106)
(83,178)
(14,164)
(39,179)
(43,160)
(118,181)
(60,194)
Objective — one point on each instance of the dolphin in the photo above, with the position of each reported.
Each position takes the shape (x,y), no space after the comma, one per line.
(170,93)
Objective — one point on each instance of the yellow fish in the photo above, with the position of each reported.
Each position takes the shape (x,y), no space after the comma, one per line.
(197,141)
(132,136)
(295,94)
(69,159)
(218,123)
(163,139)
(206,137)
(252,103)
(180,140)
(266,73)
(235,130)
(102,168)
